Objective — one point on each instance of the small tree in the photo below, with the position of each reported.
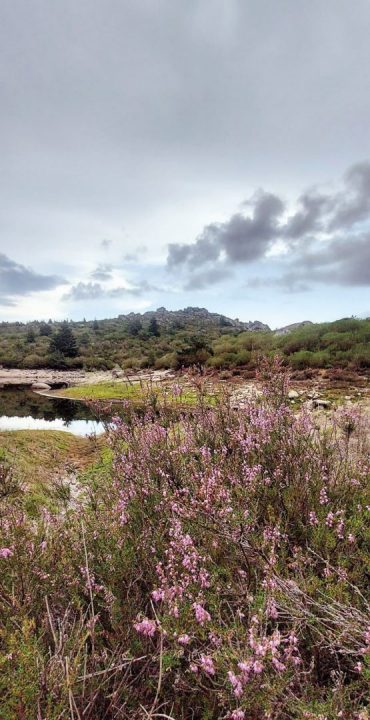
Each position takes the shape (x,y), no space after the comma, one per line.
(64,342)
(45,329)
(30,337)
(153,328)
(134,327)
(196,353)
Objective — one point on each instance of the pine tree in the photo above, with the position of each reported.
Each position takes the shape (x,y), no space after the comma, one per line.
(153,328)
(64,342)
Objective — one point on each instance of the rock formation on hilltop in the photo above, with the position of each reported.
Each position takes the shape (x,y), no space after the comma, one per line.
(195,315)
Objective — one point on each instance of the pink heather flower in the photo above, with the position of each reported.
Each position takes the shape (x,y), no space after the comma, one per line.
(359,667)
(351,538)
(194,668)
(236,684)
(146,627)
(257,667)
(313,519)
(158,595)
(206,663)
(184,639)
(237,715)
(6,552)
(201,615)
(323,496)
(279,666)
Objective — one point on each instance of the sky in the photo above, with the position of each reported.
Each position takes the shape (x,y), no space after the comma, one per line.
(210,153)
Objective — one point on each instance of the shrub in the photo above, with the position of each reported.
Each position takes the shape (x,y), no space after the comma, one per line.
(217,569)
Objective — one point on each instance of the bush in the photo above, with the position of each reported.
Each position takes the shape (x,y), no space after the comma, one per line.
(34,361)
(216,569)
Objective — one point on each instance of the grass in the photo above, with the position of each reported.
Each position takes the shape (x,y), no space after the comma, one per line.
(104,391)
(40,458)
(137,393)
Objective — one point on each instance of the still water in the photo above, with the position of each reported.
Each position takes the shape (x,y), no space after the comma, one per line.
(23,409)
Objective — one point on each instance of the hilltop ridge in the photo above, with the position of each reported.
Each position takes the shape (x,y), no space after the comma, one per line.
(166,318)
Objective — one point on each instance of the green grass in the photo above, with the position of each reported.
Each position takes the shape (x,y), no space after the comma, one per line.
(137,393)
(104,391)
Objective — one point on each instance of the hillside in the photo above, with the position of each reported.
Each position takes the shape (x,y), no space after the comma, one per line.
(175,339)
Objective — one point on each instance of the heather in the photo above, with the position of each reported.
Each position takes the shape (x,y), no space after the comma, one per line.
(213,564)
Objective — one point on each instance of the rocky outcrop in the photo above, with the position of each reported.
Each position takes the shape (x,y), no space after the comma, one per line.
(194,315)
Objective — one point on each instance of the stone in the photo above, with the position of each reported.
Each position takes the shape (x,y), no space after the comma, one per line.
(40,386)
(319,403)
(292,394)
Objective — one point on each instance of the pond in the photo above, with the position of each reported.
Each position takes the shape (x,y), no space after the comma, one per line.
(23,409)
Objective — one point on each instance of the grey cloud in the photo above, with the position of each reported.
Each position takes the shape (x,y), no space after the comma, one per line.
(102,272)
(18,280)
(353,205)
(133,257)
(343,261)
(243,238)
(309,218)
(94,291)
(313,235)
(339,263)
(199,281)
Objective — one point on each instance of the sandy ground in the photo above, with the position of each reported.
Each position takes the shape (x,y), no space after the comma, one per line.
(73,377)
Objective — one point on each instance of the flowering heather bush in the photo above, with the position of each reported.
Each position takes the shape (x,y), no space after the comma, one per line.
(218,569)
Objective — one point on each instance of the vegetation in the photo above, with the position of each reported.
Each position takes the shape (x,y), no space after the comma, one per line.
(209,567)
(41,462)
(162,341)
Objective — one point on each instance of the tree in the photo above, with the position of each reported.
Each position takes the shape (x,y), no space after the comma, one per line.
(64,342)
(196,353)
(134,327)
(95,325)
(45,329)
(30,337)
(153,328)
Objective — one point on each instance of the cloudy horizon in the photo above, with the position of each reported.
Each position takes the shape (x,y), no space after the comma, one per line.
(212,153)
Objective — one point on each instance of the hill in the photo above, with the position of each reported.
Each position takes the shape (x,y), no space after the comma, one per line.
(180,338)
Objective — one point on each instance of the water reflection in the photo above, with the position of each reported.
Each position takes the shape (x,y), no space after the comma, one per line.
(23,409)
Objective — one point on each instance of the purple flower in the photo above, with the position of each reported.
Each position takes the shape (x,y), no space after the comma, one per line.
(6,552)
(146,627)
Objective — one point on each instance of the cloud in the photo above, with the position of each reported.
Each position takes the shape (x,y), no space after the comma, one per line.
(102,272)
(199,281)
(17,280)
(353,204)
(324,239)
(308,218)
(84,291)
(93,290)
(242,239)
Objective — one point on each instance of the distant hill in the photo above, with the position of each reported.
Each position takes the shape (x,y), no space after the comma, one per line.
(191,315)
(182,338)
